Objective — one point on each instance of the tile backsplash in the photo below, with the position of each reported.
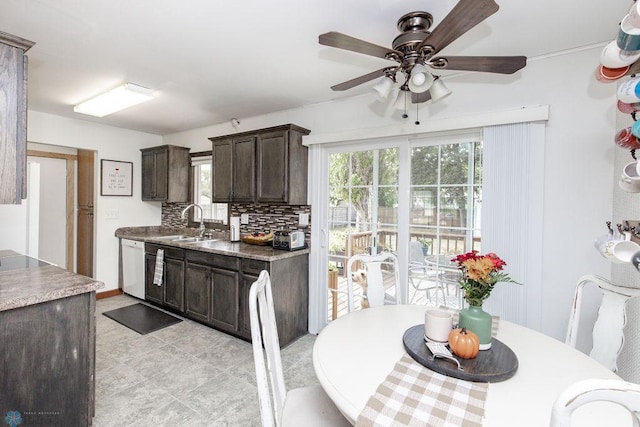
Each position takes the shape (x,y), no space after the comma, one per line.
(261,217)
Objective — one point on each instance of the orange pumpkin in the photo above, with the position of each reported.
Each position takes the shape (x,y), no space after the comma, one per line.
(463,343)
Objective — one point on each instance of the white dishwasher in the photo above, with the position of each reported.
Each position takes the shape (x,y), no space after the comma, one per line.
(133,268)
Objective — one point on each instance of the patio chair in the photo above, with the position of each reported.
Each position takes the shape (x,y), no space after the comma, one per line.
(308,406)
(375,290)
(421,277)
(617,391)
(608,330)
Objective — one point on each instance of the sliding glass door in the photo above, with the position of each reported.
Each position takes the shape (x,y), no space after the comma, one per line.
(363,213)
(390,195)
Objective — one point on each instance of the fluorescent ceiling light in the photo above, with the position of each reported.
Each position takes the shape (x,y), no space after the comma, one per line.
(114,100)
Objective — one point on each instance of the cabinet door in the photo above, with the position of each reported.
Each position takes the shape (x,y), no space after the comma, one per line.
(161,174)
(198,292)
(273,167)
(244,169)
(85,178)
(174,284)
(152,292)
(221,185)
(148,176)
(84,258)
(244,321)
(224,299)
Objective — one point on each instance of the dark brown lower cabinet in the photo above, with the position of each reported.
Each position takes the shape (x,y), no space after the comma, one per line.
(48,362)
(170,293)
(216,290)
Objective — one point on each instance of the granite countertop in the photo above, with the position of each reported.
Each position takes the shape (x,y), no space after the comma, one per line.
(21,287)
(219,245)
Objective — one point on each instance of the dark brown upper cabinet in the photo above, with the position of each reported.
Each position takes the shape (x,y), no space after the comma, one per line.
(233,175)
(265,166)
(165,173)
(13,118)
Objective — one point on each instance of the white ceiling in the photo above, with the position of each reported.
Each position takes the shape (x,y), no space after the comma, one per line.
(210,61)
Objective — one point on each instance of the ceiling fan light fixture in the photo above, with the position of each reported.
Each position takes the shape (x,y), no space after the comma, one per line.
(421,79)
(119,98)
(438,90)
(402,100)
(382,89)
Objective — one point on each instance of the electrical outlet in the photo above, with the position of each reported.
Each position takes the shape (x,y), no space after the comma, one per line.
(303,219)
(244,219)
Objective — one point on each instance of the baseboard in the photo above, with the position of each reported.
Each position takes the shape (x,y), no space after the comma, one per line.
(108,294)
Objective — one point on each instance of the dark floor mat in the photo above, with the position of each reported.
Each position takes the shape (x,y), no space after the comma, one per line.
(142,318)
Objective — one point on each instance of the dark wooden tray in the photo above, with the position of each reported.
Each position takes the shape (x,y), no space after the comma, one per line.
(497,364)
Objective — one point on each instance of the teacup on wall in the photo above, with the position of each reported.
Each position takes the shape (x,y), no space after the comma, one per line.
(628,35)
(618,250)
(626,139)
(630,179)
(614,57)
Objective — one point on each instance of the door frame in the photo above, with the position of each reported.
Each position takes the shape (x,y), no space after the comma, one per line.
(70,221)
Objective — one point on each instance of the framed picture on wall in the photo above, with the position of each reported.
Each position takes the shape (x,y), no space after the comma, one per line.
(116,178)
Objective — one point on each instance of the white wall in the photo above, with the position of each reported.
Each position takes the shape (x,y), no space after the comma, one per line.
(578,153)
(110,143)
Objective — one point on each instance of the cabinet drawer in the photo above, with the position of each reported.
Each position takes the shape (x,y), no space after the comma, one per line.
(254,267)
(214,260)
(169,252)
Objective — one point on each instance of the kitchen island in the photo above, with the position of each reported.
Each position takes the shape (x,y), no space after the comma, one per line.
(47,330)
(209,281)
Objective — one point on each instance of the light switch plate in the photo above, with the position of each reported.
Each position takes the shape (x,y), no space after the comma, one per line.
(303,219)
(111,214)
(244,219)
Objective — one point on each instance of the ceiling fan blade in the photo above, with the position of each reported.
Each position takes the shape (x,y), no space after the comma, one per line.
(418,98)
(465,15)
(343,41)
(359,80)
(487,64)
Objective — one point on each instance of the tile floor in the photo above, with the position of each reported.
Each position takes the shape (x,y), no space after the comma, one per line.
(184,375)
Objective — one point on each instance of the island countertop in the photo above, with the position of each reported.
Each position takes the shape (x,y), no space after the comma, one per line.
(219,245)
(38,282)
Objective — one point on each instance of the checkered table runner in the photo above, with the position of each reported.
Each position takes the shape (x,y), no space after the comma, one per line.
(412,395)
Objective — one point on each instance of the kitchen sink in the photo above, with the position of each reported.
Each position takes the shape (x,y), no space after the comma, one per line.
(174,237)
(188,239)
(210,243)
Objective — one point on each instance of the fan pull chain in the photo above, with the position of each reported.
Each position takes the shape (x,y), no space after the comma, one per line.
(404,112)
(417,122)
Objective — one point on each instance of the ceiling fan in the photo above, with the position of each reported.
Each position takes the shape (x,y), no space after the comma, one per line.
(416,47)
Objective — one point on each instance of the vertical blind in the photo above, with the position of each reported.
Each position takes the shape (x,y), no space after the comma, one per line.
(512,218)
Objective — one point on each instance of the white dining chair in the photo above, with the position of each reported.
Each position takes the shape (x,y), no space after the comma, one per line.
(608,330)
(580,393)
(307,406)
(422,278)
(375,288)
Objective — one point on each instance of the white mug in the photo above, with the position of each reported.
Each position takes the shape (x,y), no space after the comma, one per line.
(614,57)
(630,179)
(437,325)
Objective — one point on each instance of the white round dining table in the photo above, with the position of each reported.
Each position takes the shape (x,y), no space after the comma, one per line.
(356,352)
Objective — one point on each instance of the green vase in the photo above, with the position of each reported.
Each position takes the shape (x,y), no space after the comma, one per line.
(475,319)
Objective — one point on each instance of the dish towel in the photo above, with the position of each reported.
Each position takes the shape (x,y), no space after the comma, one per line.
(157,274)
(412,395)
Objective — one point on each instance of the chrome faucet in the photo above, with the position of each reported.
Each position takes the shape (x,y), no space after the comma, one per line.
(201,229)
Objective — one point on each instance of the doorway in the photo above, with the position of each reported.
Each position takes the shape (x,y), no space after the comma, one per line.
(57,193)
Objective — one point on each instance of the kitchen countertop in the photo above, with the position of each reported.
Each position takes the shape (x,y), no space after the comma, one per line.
(34,284)
(222,246)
